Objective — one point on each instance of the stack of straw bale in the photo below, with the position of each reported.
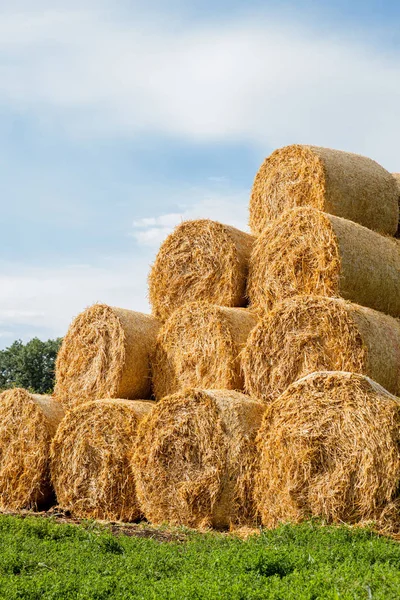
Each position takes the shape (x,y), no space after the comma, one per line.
(302,316)
(329,442)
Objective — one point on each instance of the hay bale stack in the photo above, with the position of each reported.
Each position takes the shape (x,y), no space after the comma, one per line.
(342,184)
(194,460)
(28,424)
(310,333)
(90,459)
(200,261)
(306,251)
(199,347)
(105,354)
(329,447)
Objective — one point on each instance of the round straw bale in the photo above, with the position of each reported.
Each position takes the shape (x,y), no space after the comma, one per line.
(200,260)
(312,333)
(199,347)
(339,183)
(105,354)
(306,251)
(28,423)
(329,447)
(194,459)
(90,459)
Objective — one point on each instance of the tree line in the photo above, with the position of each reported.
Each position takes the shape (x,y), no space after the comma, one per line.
(30,365)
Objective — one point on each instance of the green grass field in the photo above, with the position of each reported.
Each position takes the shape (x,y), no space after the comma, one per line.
(41,559)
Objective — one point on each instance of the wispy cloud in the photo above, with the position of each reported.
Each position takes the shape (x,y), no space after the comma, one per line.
(20,316)
(263,80)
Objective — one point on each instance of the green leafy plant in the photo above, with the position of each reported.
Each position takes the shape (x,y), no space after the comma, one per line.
(30,366)
(42,559)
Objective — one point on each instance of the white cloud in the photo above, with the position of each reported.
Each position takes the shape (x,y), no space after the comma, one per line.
(168,220)
(19,315)
(263,80)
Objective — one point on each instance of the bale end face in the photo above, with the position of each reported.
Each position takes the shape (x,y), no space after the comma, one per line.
(329,448)
(90,459)
(291,176)
(90,358)
(105,354)
(202,260)
(299,336)
(195,457)
(295,254)
(199,347)
(28,423)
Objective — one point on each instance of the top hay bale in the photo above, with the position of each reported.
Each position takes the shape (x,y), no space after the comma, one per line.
(342,184)
(306,251)
(28,424)
(200,261)
(329,448)
(106,354)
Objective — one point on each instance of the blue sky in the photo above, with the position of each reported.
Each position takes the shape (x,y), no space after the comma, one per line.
(119,119)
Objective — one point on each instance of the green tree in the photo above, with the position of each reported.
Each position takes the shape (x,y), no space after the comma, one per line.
(30,365)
